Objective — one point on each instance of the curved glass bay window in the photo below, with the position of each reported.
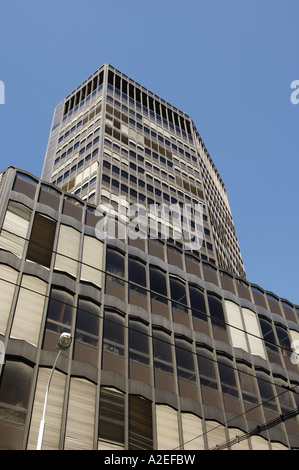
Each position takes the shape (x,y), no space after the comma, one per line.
(115,273)
(198,309)
(15,227)
(138,342)
(206,366)
(227,376)
(217,318)
(92,261)
(68,248)
(163,360)
(111,419)
(15,386)
(284,341)
(266,390)
(184,359)
(208,377)
(139,351)
(137,283)
(247,383)
(158,284)
(269,340)
(25,184)
(29,309)
(185,368)
(8,283)
(140,423)
(284,395)
(158,292)
(113,342)
(288,432)
(41,242)
(249,392)
(59,317)
(87,332)
(179,300)
(228,385)
(115,265)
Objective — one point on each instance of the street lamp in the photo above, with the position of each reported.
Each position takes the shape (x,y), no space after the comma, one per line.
(63,344)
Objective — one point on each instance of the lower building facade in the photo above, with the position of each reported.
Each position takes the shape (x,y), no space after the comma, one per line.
(169,352)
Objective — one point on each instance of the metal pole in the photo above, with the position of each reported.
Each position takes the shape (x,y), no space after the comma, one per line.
(43,422)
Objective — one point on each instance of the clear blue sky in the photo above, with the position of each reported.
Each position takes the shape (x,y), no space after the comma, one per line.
(227,63)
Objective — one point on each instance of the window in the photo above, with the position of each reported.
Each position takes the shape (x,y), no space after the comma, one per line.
(79,434)
(25,184)
(59,317)
(227,376)
(14,396)
(115,266)
(111,419)
(184,360)
(197,303)
(92,261)
(167,428)
(256,344)
(216,311)
(284,340)
(54,418)
(138,342)
(15,227)
(162,351)
(266,390)
(284,396)
(140,423)
(8,282)
(87,332)
(206,367)
(158,285)
(178,295)
(68,250)
(29,309)
(49,196)
(137,276)
(113,333)
(268,334)
(40,247)
(247,383)
(73,207)
(234,318)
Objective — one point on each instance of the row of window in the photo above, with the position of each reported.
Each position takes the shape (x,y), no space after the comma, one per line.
(16,225)
(180,178)
(224,233)
(83,146)
(149,105)
(151,135)
(78,173)
(41,243)
(131,420)
(15,232)
(83,95)
(276,337)
(155,144)
(240,327)
(123,422)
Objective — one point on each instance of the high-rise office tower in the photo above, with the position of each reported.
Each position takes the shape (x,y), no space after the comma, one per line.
(112,138)
(173,349)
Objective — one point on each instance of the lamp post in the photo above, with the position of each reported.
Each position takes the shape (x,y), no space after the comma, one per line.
(63,344)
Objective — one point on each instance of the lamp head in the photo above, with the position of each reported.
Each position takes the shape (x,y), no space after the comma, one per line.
(64,341)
